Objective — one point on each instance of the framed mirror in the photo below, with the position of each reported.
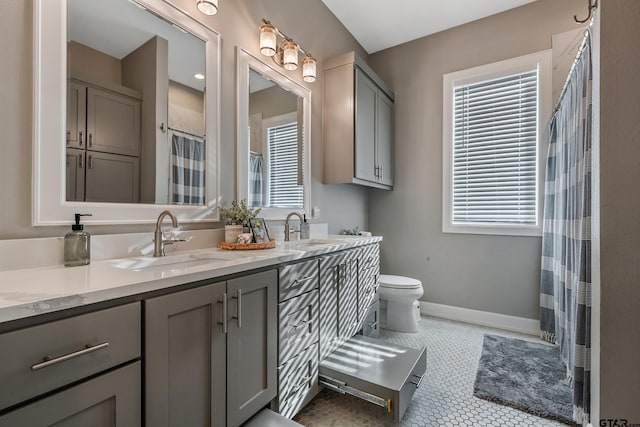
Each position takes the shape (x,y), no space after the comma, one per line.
(274,117)
(126,120)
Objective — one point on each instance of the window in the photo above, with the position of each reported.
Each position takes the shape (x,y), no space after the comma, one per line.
(493,140)
(283,178)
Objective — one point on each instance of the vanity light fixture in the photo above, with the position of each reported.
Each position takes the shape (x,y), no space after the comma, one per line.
(286,52)
(208,7)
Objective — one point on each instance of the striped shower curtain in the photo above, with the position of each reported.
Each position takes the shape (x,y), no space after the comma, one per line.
(187,173)
(256,187)
(565,288)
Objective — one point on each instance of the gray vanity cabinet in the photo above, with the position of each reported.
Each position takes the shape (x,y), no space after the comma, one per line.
(338,300)
(252,345)
(185,355)
(112,399)
(198,375)
(358,124)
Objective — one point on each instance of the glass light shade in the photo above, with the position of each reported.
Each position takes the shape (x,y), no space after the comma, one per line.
(208,7)
(290,56)
(267,40)
(309,69)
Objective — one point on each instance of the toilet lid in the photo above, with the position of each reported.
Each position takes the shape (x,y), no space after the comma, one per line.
(399,282)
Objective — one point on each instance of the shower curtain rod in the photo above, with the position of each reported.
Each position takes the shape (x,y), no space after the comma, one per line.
(583,44)
(186,133)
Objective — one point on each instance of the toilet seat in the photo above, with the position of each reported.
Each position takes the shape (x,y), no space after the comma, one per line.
(398,282)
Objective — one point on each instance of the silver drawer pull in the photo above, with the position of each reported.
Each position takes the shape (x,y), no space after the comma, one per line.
(299,386)
(48,361)
(417,384)
(374,325)
(299,324)
(301,281)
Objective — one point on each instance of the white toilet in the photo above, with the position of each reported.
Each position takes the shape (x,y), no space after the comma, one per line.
(398,295)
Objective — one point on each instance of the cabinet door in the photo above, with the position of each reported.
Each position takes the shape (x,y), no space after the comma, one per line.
(113,123)
(251,345)
(185,358)
(348,296)
(74,179)
(384,139)
(109,400)
(329,280)
(76,115)
(365,116)
(112,178)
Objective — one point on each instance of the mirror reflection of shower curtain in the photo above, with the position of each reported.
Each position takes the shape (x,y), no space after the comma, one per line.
(256,186)
(187,174)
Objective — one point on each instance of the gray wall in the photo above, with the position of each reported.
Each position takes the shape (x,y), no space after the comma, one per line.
(237,22)
(491,273)
(619,224)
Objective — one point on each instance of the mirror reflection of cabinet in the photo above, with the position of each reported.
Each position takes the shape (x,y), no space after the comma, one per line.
(103,127)
(358,124)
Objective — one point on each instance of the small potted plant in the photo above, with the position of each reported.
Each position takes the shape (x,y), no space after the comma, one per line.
(236,219)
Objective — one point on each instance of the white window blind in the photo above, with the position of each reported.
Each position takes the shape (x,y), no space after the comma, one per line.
(494,158)
(284,190)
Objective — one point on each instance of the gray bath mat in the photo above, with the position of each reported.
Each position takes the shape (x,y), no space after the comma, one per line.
(525,375)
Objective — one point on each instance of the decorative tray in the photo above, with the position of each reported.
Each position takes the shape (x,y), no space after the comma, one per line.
(247,246)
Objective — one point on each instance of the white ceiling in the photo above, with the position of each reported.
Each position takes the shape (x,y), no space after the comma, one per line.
(379,24)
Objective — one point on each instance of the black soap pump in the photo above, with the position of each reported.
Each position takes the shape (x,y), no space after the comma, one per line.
(77,245)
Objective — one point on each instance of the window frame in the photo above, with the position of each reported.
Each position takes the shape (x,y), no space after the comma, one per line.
(541,60)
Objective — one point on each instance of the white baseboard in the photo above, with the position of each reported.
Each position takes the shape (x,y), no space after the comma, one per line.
(484,318)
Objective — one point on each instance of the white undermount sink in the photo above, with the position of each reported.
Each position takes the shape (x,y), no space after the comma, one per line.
(319,242)
(172,262)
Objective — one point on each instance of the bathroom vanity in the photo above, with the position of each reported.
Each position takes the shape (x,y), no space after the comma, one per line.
(195,338)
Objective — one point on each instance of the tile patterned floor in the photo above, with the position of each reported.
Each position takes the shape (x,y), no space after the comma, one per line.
(445,397)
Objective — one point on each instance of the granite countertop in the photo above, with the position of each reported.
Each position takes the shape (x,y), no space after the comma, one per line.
(36,291)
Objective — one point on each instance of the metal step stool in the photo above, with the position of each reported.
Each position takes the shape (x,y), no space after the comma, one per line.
(377,371)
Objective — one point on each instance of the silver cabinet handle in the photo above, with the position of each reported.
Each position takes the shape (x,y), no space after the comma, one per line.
(80,161)
(48,361)
(224,313)
(90,162)
(80,138)
(417,384)
(301,281)
(238,297)
(90,139)
(295,389)
(300,323)
(381,175)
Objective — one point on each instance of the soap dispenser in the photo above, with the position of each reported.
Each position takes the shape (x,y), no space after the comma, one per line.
(305,228)
(77,245)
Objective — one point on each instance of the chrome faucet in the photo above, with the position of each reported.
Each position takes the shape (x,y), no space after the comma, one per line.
(158,238)
(287,230)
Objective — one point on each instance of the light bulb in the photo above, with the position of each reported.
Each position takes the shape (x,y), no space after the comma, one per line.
(309,69)
(208,7)
(267,40)
(290,56)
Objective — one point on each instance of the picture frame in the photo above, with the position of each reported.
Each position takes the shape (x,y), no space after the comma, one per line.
(259,230)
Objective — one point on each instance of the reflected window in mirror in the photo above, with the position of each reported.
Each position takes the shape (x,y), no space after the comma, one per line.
(135,107)
(273,129)
(276,146)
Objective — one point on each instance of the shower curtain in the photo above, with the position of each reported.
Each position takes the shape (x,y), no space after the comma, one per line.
(187,171)
(255,180)
(565,284)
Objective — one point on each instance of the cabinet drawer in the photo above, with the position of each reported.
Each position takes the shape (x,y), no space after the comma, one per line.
(370,260)
(297,381)
(44,357)
(367,289)
(112,399)
(298,325)
(297,279)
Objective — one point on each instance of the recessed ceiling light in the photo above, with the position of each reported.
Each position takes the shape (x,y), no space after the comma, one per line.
(199,76)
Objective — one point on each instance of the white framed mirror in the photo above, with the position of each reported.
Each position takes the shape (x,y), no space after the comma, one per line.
(274,133)
(77,167)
